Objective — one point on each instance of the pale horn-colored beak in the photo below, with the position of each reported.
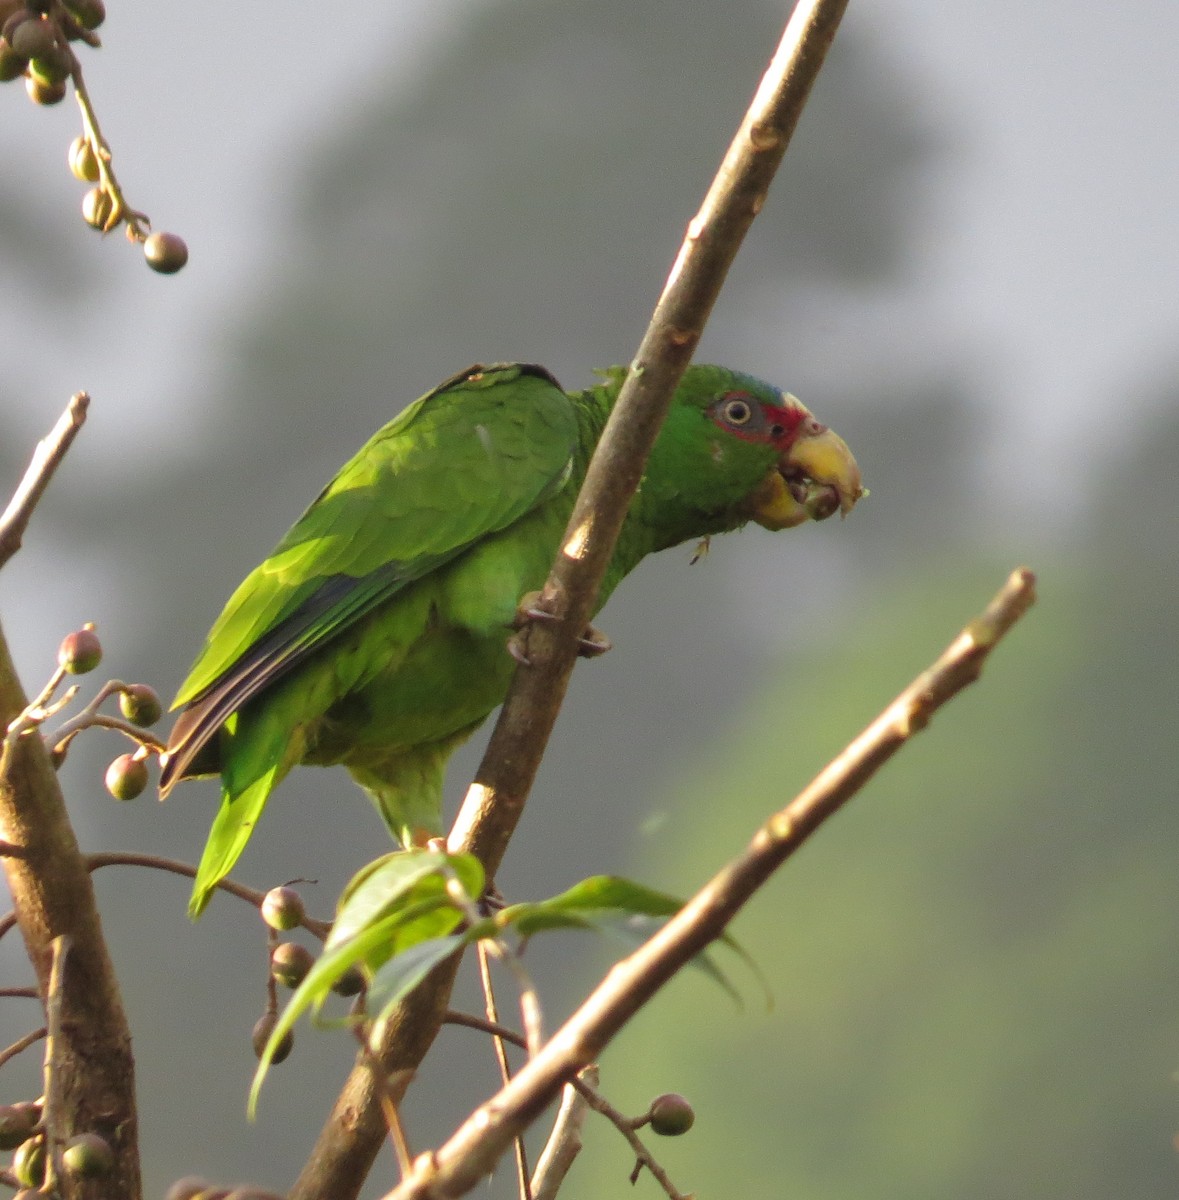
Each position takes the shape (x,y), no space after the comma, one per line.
(816,477)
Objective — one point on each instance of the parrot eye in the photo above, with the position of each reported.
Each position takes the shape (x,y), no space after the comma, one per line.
(738,411)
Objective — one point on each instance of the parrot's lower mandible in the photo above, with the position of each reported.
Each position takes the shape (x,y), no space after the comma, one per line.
(375,635)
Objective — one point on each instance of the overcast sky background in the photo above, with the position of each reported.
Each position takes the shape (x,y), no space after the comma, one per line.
(1052,237)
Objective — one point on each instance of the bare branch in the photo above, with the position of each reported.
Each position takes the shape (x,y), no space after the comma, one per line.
(46,459)
(475,1148)
(52,896)
(23,1043)
(564,1143)
(352,1134)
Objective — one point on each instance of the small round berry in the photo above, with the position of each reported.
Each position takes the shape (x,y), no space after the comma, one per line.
(282,909)
(90,14)
(80,651)
(88,1156)
(33,37)
(260,1038)
(12,66)
(350,983)
(671,1114)
(17,1122)
(290,962)
(165,252)
(140,704)
(126,777)
(28,1163)
(97,207)
(43,93)
(83,160)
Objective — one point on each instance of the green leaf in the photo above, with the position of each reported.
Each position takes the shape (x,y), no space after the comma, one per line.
(402,973)
(586,904)
(393,881)
(390,907)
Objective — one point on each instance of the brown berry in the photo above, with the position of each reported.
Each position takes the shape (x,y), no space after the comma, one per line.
(350,983)
(17,1123)
(54,66)
(90,14)
(165,252)
(260,1038)
(12,66)
(88,1156)
(290,962)
(33,37)
(126,777)
(80,651)
(44,93)
(670,1115)
(140,704)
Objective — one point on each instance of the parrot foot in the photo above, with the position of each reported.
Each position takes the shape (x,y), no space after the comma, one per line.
(591,644)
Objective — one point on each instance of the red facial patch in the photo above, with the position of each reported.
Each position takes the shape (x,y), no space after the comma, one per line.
(752,420)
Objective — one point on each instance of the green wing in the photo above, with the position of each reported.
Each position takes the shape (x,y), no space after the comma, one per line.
(466,460)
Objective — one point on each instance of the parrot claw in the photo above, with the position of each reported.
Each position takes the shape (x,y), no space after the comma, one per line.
(591,644)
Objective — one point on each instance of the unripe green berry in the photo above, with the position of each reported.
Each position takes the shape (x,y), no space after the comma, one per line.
(670,1115)
(165,252)
(97,207)
(140,704)
(88,1156)
(282,909)
(248,1192)
(80,651)
(260,1037)
(290,962)
(43,93)
(126,777)
(28,1163)
(17,1122)
(83,160)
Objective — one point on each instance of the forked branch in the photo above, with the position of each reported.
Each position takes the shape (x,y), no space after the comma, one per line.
(476,1147)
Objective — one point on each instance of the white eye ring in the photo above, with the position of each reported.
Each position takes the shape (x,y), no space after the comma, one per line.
(738,411)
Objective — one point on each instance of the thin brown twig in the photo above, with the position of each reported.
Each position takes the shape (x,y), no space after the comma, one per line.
(47,457)
(121,858)
(564,1142)
(23,1043)
(472,1152)
(585,1085)
(27,993)
(351,1136)
(483,956)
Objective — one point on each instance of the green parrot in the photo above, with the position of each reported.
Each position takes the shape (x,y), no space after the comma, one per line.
(375,635)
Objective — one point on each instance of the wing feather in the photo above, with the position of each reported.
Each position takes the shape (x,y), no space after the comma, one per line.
(466,460)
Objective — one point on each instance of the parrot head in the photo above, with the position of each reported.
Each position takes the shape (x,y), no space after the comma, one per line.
(736,445)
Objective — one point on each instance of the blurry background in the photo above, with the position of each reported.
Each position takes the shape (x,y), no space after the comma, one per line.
(967,266)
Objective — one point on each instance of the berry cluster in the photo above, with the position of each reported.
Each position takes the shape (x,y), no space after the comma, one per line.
(35,44)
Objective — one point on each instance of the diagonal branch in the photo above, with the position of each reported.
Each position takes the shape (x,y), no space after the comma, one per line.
(353,1133)
(476,1147)
(46,459)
